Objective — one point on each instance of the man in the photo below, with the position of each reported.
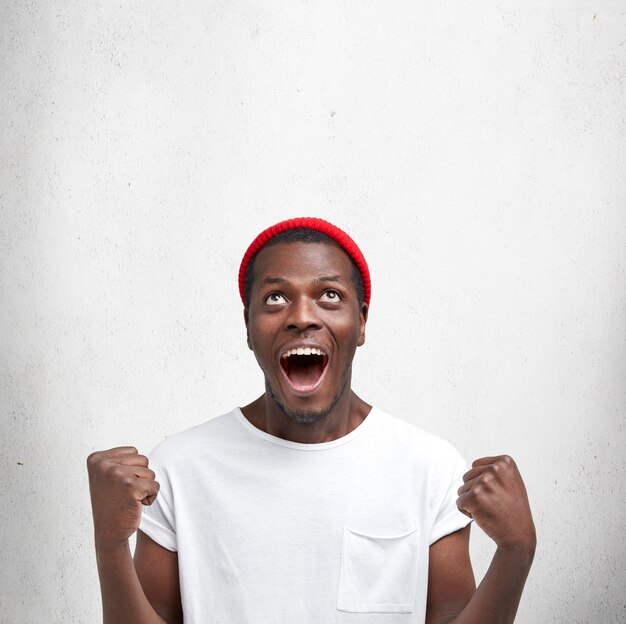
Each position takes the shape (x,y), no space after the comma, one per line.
(308,505)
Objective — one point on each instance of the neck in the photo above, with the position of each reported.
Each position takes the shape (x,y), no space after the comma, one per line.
(345,416)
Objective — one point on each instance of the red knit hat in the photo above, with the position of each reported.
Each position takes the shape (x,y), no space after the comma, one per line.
(332,231)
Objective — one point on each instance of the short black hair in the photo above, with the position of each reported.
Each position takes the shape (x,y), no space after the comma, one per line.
(301,235)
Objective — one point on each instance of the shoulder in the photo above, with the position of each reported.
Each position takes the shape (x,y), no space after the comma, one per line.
(199,440)
(426,447)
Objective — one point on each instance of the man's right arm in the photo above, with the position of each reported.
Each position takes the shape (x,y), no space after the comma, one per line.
(120,482)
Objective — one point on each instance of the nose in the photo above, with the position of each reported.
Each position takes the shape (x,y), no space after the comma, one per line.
(303,315)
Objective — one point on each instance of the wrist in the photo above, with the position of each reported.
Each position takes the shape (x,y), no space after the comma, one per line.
(110,549)
(523,551)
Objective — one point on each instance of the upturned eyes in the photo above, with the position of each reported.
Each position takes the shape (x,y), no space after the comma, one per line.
(275,299)
(328,296)
(331,296)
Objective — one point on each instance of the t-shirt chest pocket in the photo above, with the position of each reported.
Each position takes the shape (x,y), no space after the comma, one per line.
(378,574)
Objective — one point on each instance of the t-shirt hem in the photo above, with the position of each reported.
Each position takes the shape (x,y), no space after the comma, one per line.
(157,532)
(448,528)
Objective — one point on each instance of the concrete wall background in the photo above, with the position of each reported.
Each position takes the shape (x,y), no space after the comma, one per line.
(476,151)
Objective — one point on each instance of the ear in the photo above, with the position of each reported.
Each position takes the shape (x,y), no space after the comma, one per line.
(362,322)
(246,319)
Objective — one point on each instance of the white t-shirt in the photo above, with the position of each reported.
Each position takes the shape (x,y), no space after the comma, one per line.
(276,532)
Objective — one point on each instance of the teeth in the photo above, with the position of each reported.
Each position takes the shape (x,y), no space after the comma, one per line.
(303,351)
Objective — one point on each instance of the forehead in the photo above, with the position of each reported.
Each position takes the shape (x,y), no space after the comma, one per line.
(302,261)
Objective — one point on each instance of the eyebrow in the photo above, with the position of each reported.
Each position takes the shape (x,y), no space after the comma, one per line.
(328,278)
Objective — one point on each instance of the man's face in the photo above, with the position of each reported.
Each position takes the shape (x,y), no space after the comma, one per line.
(304,324)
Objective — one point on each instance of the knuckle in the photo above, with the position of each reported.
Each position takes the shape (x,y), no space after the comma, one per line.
(116,471)
(492,473)
(488,476)
(478,490)
(96,458)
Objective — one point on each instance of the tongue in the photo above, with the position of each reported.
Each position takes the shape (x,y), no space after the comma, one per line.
(305,371)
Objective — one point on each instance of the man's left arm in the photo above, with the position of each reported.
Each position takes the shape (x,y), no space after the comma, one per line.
(494,495)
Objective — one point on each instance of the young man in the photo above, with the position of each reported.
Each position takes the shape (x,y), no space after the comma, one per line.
(308,505)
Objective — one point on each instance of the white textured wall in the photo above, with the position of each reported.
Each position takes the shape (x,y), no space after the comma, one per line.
(476,151)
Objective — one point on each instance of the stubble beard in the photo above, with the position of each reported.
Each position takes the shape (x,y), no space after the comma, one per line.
(306,417)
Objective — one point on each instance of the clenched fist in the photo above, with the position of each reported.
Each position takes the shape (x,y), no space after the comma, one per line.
(119,482)
(494,495)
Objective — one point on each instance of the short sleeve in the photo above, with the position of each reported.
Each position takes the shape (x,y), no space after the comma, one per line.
(449,519)
(157,520)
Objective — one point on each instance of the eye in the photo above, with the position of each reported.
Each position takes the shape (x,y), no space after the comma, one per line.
(275,299)
(330,296)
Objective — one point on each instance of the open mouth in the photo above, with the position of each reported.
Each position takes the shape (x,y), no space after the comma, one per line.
(304,367)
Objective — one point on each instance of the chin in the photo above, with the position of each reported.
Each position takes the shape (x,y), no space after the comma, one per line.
(304,416)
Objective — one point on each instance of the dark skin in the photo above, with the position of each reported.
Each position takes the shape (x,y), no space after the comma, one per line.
(120,482)
(302,295)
